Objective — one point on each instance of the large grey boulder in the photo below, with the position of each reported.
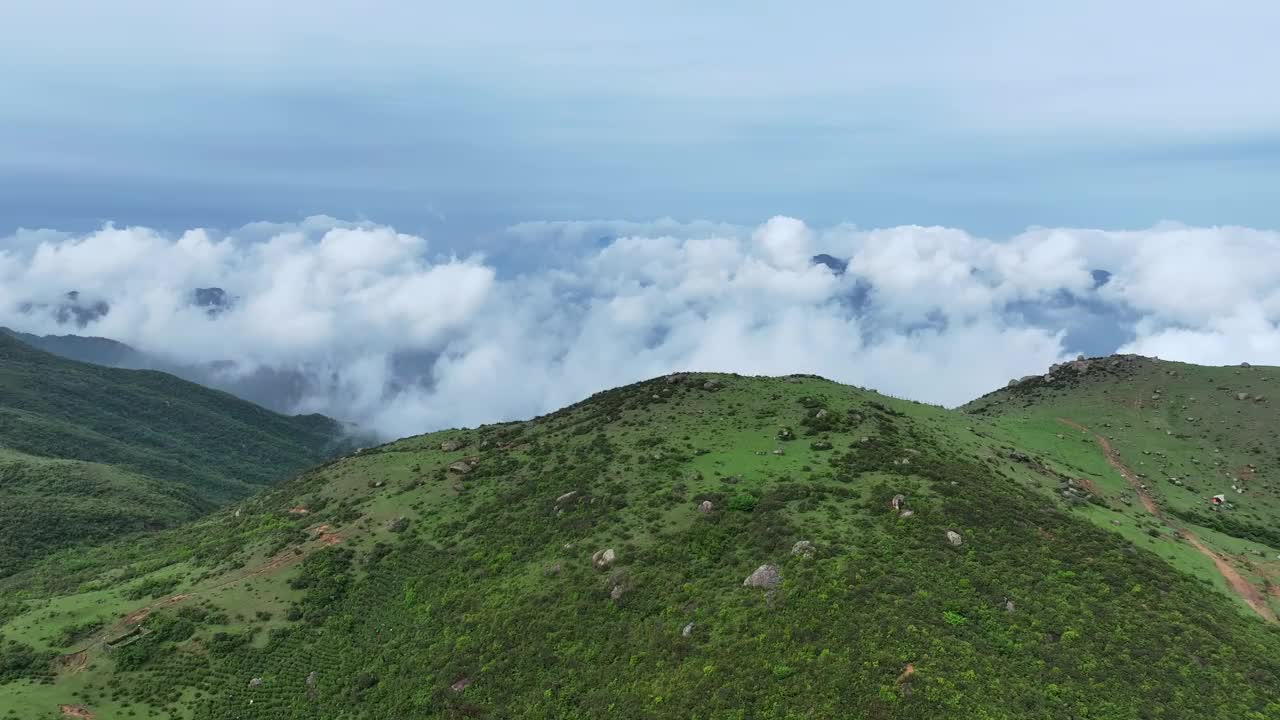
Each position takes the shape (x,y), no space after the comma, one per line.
(462,467)
(765,577)
(803,547)
(954,538)
(603,559)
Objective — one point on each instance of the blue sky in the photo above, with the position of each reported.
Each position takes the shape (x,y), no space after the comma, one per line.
(991,116)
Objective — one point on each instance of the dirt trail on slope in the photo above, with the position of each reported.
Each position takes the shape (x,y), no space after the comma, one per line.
(1235,580)
(76,661)
(1113,459)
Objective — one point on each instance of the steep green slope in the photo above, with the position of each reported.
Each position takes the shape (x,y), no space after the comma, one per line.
(174,449)
(396,582)
(1186,433)
(44,502)
(95,350)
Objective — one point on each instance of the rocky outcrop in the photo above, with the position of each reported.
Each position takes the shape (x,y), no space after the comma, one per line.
(954,538)
(765,577)
(603,559)
(804,548)
(462,467)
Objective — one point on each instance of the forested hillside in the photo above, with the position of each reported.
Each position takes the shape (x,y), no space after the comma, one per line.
(88,452)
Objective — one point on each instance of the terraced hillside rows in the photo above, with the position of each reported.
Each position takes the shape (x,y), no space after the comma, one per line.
(697,546)
(88,453)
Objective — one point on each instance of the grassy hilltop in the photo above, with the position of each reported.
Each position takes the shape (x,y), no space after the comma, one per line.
(905,561)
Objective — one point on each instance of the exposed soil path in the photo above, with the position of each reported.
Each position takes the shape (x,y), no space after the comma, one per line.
(74,662)
(76,711)
(1242,587)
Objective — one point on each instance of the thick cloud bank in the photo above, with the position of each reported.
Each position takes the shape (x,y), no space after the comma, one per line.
(402,335)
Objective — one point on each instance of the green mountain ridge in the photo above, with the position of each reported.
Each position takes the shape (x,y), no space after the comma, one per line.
(711,546)
(88,452)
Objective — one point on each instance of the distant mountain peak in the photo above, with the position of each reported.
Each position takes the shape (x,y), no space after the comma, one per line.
(837,265)
(214,300)
(73,310)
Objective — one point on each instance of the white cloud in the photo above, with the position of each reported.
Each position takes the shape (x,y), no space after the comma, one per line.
(401,341)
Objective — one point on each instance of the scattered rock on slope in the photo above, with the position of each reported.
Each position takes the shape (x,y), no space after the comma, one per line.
(803,547)
(705,507)
(954,538)
(462,467)
(451,445)
(603,559)
(766,576)
(460,684)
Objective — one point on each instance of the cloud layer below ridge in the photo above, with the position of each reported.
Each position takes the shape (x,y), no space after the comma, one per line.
(402,335)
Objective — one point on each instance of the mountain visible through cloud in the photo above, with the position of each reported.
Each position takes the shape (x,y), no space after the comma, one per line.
(402,335)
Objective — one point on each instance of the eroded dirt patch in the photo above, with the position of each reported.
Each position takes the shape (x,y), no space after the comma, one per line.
(76,711)
(73,662)
(326,535)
